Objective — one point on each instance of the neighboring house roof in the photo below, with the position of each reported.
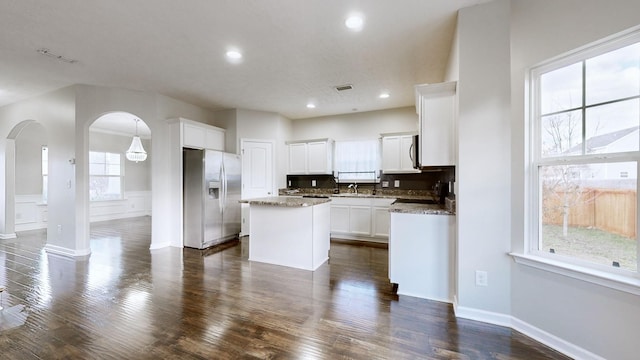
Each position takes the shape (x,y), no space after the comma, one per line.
(603,140)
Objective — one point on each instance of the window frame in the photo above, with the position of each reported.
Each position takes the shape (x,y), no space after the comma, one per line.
(619,278)
(121,176)
(377,166)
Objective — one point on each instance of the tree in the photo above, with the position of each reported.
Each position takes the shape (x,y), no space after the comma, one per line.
(561,184)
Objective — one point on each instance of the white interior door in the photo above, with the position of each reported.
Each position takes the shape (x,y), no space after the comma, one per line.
(257,174)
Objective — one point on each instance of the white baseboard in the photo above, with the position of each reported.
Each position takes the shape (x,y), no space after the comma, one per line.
(344,236)
(550,340)
(7,236)
(553,341)
(30,226)
(159,246)
(66,252)
(482,315)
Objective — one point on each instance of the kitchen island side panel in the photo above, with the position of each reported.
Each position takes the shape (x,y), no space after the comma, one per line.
(294,236)
(321,233)
(277,235)
(421,255)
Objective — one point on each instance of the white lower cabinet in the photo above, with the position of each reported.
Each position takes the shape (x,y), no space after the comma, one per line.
(360,218)
(380,224)
(422,255)
(339,218)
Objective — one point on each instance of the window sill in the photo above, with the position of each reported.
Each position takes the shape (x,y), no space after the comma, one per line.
(613,281)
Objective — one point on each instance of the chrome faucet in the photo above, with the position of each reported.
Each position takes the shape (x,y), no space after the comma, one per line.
(354,187)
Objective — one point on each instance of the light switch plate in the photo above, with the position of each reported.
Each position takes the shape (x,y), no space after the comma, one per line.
(313,183)
(385,184)
(396,183)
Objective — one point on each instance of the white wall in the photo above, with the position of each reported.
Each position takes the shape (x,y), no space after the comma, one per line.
(55,111)
(260,125)
(356,126)
(484,163)
(226,119)
(154,110)
(600,320)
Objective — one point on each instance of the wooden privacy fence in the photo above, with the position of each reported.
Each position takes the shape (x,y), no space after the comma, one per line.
(609,210)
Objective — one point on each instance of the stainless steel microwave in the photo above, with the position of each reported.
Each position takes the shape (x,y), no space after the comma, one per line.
(415,152)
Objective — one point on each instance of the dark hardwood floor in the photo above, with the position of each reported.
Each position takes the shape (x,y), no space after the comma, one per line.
(126,302)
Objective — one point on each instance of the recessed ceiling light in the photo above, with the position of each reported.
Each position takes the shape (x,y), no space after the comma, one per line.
(384,95)
(355,22)
(234,56)
(311,106)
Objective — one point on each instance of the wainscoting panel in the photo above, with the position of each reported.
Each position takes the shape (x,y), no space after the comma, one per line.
(31,212)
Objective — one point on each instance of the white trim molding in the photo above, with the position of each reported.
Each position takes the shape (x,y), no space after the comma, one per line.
(8,236)
(31,212)
(603,278)
(159,246)
(481,315)
(66,252)
(553,341)
(527,329)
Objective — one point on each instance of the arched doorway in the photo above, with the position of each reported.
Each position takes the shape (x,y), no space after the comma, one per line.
(119,185)
(25,178)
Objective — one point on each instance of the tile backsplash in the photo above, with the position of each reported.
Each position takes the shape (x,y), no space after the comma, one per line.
(425,180)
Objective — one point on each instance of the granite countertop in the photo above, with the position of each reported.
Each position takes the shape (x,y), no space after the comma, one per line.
(426,209)
(285,201)
(404,207)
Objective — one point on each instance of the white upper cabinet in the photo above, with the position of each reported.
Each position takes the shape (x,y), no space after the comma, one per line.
(318,157)
(298,158)
(311,157)
(201,136)
(397,153)
(436,107)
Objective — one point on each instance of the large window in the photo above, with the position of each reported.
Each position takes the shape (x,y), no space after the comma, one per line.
(105,176)
(357,160)
(585,148)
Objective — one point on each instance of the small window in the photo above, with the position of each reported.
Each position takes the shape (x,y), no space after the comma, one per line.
(105,176)
(357,161)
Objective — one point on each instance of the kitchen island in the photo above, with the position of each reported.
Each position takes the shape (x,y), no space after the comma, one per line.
(289,231)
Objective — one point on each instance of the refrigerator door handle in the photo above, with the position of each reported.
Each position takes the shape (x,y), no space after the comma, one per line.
(224,188)
(221,197)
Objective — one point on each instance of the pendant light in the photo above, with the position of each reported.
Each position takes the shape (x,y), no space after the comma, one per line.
(136,151)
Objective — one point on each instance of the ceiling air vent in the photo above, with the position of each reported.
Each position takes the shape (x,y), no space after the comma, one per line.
(344,87)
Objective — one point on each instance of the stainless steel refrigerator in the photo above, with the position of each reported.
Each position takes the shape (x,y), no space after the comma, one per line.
(211,191)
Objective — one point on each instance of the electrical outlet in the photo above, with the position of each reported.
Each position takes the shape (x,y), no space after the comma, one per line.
(396,183)
(482,278)
(289,182)
(385,184)
(59,229)
(313,183)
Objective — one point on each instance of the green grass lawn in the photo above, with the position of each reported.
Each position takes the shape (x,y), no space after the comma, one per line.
(592,245)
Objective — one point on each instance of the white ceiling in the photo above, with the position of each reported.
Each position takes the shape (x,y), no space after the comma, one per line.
(295,51)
